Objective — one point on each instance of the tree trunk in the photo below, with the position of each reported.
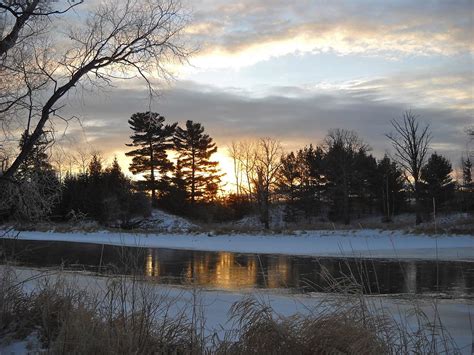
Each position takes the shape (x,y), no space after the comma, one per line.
(346,216)
(193,180)
(417,203)
(153,192)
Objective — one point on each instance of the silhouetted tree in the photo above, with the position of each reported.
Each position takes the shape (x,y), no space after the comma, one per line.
(38,159)
(364,186)
(37,187)
(151,139)
(342,150)
(411,143)
(313,179)
(466,172)
(200,174)
(264,178)
(436,179)
(390,188)
(105,195)
(290,184)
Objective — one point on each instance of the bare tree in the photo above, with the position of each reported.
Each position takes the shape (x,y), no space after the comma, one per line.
(20,20)
(248,159)
(267,165)
(118,39)
(411,143)
(470,134)
(236,154)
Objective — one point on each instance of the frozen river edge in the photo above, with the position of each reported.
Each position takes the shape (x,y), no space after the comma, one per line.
(364,243)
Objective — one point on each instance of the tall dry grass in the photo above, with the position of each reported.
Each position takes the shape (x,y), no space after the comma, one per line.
(128,316)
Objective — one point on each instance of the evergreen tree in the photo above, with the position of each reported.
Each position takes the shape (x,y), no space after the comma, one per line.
(436,179)
(105,195)
(364,182)
(38,185)
(151,139)
(313,179)
(466,172)
(341,170)
(289,184)
(95,188)
(200,175)
(389,188)
(37,160)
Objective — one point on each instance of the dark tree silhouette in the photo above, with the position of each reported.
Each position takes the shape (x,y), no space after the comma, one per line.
(466,172)
(200,175)
(411,143)
(313,179)
(38,158)
(436,179)
(136,38)
(289,183)
(343,147)
(151,140)
(390,187)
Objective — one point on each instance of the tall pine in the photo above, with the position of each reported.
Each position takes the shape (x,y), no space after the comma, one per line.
(200,175)
(151,140)
(436,179)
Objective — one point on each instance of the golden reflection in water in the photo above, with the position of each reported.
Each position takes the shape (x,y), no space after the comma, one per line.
(231,275)
(227,271)
(278,272)
(152,265)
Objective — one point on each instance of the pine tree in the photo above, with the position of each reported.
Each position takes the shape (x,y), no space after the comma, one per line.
(343,150)
(39,186)
(289,183)
(436,178)
(313,179)
(151,139)
(37,160)
(389,188)
(95,166)
(199,174)
(467,172)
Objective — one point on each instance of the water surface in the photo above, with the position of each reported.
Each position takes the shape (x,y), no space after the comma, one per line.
(234,271)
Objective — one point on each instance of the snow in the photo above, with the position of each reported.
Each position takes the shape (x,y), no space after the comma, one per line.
(454,314)
(363,243)
(163,221)
(18,347)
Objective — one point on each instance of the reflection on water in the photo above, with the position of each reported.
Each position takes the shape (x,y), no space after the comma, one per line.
(236,271)
(225,272)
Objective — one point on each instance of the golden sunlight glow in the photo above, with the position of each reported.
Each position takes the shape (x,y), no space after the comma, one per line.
(345,39)
(225,166)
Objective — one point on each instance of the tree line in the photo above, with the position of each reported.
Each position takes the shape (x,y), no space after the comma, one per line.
(336,180)
(340,179)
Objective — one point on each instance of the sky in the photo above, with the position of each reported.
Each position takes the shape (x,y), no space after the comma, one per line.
(294,70)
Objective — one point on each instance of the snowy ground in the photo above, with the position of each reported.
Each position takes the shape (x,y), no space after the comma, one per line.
(456,315)
(361,243)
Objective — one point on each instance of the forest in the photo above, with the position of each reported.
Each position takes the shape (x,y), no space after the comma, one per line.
(337,180)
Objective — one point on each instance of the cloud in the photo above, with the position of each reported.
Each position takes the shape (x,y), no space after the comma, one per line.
(246,32)
(296,116)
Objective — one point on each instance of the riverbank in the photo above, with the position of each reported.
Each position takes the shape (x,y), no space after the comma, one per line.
(364,243)
(215,306)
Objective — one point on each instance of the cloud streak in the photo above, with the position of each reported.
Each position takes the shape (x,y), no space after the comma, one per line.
(297,119)
(247,32)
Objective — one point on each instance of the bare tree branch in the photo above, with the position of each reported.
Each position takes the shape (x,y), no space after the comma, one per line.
(411,143)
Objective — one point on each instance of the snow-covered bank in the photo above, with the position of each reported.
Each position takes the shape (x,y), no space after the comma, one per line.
(454,314)
(361,243)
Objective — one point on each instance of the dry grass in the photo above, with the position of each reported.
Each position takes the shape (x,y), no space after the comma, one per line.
(260,331)
(129,316)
